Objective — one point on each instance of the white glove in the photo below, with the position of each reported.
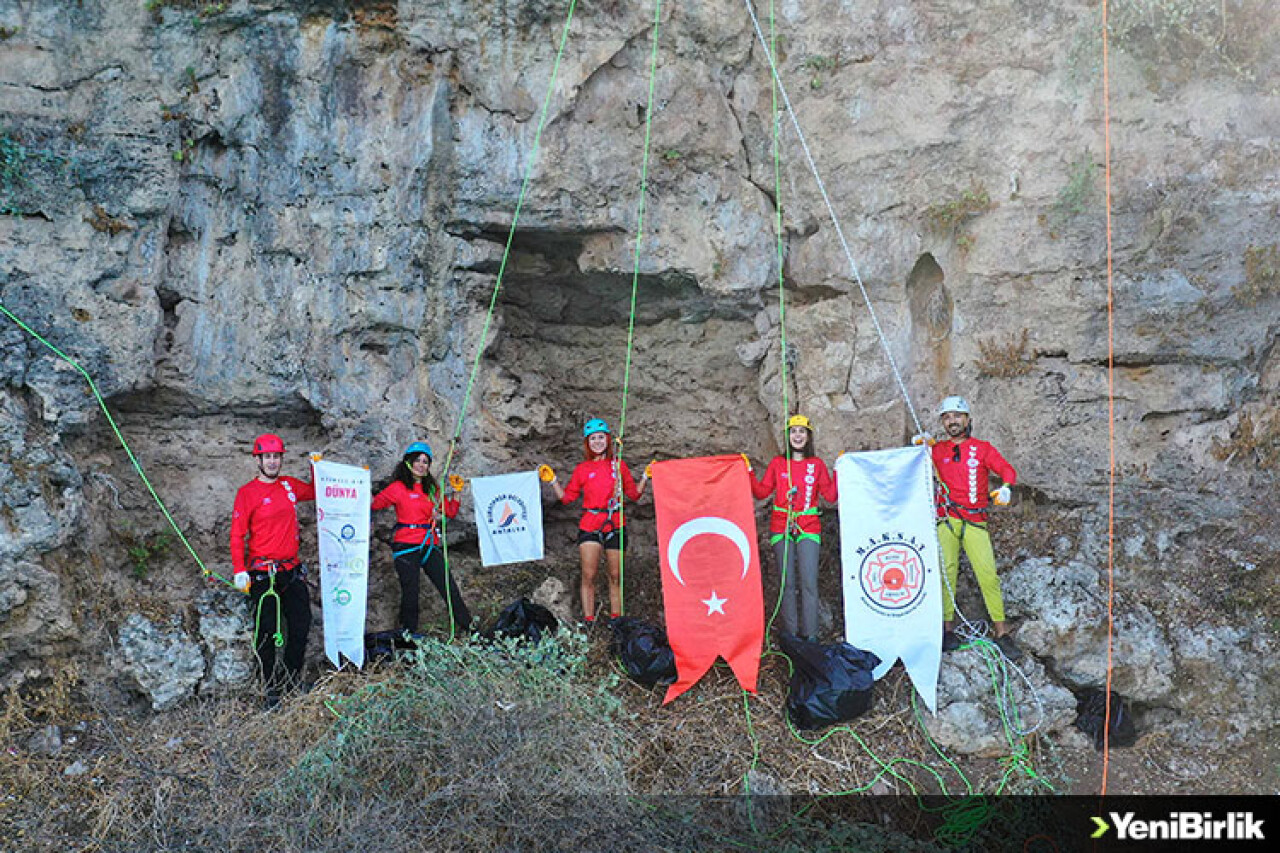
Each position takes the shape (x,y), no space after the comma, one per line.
(241,581)
(1002,496)
(923,439)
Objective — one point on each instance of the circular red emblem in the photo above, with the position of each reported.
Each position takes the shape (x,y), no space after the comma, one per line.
(892,576)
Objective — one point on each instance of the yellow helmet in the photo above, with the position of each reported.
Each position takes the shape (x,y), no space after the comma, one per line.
(801,421)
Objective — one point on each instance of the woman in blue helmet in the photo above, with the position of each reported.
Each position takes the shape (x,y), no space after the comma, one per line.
(601,480)
(415,494)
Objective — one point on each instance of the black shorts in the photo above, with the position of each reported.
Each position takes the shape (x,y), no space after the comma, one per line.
(612,540)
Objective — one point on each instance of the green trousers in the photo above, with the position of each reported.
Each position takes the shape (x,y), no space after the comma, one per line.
(977,546)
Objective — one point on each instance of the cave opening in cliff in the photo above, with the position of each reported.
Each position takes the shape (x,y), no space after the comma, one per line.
(565,339)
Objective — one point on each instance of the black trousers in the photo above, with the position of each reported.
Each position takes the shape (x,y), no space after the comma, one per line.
(408,567)
(295,610)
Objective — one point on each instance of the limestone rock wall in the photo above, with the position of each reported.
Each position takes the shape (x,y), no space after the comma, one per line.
(291,214)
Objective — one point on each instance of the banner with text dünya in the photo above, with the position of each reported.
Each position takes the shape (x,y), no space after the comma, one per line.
(889,558)
(342,521)
(508,517)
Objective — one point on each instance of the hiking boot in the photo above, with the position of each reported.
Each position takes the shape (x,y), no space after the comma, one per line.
(1009,647)
(950,641)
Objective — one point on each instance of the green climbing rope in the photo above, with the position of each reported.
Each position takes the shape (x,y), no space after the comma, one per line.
(635,284)
(137,466)
(493,300)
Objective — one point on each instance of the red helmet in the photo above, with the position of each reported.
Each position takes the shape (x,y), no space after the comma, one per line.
(268,443)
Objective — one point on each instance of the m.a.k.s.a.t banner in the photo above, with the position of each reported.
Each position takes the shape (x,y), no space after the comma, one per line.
(508,517)
(710,567)
(889,560)
(342,521)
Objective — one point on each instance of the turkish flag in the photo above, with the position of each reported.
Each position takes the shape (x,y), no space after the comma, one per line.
(710,567)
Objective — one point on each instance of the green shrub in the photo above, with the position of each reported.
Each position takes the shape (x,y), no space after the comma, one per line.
(1079,194)
(13,159)
(28,175)
(952,218)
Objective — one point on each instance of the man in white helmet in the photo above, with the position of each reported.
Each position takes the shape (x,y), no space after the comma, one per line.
(964,465)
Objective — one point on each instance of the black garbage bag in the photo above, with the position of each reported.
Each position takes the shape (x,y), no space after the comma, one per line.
(525,620)
(829,684)
(388,645)
(1091,708)
(643,651)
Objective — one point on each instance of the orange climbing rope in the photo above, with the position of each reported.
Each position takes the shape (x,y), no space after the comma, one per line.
(1111,400)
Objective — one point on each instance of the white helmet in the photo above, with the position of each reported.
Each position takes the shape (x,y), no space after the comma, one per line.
(953,404)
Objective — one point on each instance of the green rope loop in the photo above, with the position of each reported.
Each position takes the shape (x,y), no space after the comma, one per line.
(278,636)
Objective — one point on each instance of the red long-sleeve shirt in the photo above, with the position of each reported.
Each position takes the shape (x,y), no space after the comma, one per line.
(812,480)
(965,468)
(594,480)
(413,506)
(267,514)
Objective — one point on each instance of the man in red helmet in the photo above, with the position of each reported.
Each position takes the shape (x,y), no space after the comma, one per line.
(265,513)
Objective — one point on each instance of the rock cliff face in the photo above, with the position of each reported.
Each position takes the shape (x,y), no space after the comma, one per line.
(291,215)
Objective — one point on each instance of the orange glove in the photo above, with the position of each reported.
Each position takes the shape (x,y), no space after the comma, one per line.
(1002,496)
(546,474)
(457,483)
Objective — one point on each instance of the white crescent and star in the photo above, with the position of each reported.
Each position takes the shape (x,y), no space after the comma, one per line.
(710,524)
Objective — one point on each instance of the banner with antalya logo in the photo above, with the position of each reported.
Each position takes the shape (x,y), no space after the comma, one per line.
(710,568)
(508,517)
(889,558)
(342,521)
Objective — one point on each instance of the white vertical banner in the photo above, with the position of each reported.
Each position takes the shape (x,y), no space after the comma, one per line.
(889,562)
(343,495)
(508,517)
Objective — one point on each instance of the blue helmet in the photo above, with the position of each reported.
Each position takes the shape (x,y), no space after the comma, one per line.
(594,426)
(419,447)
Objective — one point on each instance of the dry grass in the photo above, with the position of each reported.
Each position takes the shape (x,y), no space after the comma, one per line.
(1004,360)
(1253,444)
(1261,275)
(470,747)
(106,223)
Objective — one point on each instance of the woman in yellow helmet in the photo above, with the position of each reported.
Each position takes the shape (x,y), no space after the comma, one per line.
(796,481)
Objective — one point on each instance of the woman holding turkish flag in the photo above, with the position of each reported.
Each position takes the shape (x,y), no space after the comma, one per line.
(602,481)
(795,528)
